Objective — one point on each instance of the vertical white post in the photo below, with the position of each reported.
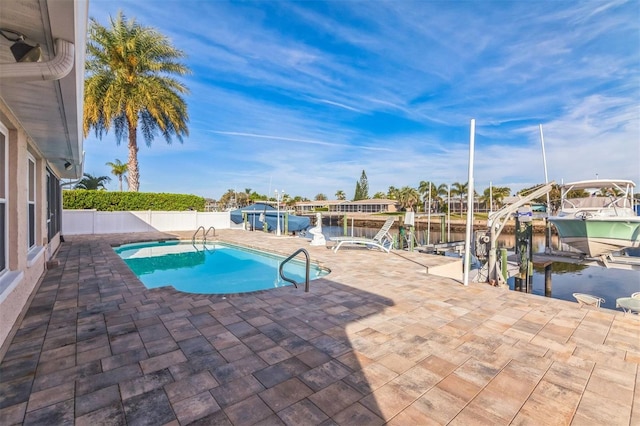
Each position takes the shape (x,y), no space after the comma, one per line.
(470,192)
(544,162)
(449,214)
(546,180)
(278,213)
(429,218)
(490,197)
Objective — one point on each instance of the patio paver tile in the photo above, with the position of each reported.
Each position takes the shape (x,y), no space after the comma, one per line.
(248,412)
(148,382)
(356,415)
(237,390)
(162,361)
(284,394)
(190,386)
(97,400)
(50,396)
(195,407)
(151,408)
(56,414)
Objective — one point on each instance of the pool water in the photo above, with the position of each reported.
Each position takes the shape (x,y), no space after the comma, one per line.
(211,268)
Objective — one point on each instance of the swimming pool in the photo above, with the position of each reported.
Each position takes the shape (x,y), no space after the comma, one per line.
(210,269)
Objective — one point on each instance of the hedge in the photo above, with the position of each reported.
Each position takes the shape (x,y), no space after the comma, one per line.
(109,201)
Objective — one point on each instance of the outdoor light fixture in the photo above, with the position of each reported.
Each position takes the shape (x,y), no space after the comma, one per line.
(22,52)
(68,166)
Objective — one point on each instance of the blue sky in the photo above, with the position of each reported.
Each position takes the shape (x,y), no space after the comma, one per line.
(303,96)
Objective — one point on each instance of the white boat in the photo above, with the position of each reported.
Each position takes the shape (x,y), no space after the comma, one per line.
(601,222)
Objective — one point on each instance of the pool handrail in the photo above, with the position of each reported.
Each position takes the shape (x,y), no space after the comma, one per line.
(307,263)
(193,238)
(204,234)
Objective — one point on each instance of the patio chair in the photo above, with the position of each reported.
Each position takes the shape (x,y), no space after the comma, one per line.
(382,240)
(588,300)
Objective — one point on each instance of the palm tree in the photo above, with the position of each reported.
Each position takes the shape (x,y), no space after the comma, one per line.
(340,195)
(392,193)
(118,169)
(408,197)
(460,190)
(130,81)
(92,182)
(436,191)
(499,194)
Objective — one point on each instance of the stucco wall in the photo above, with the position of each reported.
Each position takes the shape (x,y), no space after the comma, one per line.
(24,267)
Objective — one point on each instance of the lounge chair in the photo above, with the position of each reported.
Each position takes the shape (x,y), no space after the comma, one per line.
(382,240)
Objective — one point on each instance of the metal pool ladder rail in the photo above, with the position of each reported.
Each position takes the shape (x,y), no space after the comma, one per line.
(204,234)
(308,264)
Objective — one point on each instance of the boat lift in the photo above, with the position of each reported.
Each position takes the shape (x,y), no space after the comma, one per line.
(496,223)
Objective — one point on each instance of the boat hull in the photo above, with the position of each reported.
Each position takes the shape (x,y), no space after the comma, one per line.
(598,236)
(259,215)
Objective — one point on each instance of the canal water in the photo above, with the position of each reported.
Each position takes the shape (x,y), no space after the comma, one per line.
(566,278)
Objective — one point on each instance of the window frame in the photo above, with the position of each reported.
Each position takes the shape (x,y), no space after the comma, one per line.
(4,200)
(32,205)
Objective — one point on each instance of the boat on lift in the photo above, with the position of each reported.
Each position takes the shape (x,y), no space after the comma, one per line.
(260,214)
(603,221)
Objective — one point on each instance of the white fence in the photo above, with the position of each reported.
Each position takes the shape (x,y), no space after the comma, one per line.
(76,222)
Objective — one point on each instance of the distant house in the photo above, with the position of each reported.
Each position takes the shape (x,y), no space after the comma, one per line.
(40,140)
(302,207)
(374,205)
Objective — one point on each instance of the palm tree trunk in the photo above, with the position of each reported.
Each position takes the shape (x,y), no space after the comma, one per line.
(134,173)
(120,181)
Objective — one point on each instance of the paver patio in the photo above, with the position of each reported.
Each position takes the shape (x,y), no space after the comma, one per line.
(376,341)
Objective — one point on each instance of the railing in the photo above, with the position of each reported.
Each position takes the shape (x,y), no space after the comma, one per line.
(204,234)
(207,233)
(193,238)
(308,264)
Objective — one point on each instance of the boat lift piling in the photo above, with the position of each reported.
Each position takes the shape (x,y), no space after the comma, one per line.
(524,250)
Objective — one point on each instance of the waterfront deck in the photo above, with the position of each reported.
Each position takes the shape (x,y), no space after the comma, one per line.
(376,341)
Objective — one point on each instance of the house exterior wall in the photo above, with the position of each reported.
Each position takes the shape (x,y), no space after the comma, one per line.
(25,267)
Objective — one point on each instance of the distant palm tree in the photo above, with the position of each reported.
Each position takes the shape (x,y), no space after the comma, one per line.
(92,182)
(379,195)
(118,169)
(460,190)
(320,197)
(340,195)
(499,194)
(130,81)
(437,192)
(408,197)
(392,193)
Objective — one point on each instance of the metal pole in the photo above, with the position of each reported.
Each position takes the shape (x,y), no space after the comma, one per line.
(470,191)
(429,218)
(278,212)
(546,180)
(449,213)
(490,197)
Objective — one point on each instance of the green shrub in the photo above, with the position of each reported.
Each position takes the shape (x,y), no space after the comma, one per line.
(109,201)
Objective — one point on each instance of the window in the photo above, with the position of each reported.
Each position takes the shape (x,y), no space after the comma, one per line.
(31,202)
(53,205)
(3,199)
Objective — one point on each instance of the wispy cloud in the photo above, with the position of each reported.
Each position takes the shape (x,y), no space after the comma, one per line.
(306,95)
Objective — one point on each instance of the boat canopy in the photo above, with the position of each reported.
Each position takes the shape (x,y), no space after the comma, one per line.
(260,213)
(600,183)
